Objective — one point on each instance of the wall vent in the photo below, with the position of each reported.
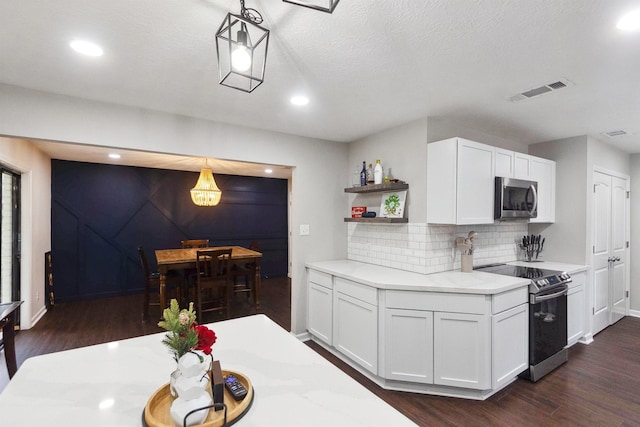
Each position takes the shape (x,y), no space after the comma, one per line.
(540,90)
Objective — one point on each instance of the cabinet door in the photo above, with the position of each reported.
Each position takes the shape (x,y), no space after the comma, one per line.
(355,330)
(461,350)
(320,312)
(408,348)
(510,344)
(504,163)
(576,309)
(522,166)
(544,172)
(475,185)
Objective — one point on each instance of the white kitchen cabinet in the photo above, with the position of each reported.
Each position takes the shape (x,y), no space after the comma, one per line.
(576,308)
(355,322)
(521,166)
(510,344)
(544,172)
(408,345)
(460,182)
(320,305)
(461,350)
(504,162)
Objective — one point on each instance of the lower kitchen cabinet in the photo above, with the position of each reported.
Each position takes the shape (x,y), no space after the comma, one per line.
(355,323)
(576,308)
(510,344)
(461,350)
(408,345)
(444,343)
(320,312)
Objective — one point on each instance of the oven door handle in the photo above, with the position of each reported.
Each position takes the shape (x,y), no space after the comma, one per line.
(536,299)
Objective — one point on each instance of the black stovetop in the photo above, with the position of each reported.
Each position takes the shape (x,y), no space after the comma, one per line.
(517,271)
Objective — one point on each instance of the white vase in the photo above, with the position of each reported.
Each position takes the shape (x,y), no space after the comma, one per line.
(193,363)
(466,263)
(181,407)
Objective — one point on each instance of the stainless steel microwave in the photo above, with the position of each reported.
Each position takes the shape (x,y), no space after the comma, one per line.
(515,198)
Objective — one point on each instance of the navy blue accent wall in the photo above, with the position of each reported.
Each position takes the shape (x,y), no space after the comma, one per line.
(102,213)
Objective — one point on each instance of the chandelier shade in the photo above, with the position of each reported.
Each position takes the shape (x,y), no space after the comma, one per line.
(241,46)
(206,191)
(322,5)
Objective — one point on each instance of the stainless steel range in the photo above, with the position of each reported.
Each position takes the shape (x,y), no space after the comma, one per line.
(547,315)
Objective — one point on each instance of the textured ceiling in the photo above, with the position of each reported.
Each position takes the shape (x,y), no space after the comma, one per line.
(369,66)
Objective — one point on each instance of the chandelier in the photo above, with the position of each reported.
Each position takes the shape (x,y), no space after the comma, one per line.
(206,191)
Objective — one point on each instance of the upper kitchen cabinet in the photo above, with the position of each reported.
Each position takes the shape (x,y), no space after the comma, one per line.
(511,164)
(460,182)
(544,172)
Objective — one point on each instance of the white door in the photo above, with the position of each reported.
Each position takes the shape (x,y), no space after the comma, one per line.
(619,228)
(610,226)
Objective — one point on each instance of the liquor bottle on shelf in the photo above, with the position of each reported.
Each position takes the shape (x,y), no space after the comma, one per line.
(370,174)
(377,173)
(363,174)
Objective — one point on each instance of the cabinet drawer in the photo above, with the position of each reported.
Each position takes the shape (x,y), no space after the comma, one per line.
(509,299)
(320,278)
(357,290)
(437,301)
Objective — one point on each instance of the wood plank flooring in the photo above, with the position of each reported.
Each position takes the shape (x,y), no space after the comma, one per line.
(599,386)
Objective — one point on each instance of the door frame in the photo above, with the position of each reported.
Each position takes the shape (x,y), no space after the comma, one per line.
(591,290)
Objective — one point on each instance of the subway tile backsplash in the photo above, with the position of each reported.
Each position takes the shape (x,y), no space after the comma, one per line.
(427,248)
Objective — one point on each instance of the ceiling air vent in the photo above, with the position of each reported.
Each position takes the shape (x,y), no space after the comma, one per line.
(536,91)
(613,133)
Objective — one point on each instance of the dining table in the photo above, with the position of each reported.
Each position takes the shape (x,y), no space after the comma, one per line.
(111,384)
(183,259)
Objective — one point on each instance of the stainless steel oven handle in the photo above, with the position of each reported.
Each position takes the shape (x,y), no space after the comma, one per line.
(536,299)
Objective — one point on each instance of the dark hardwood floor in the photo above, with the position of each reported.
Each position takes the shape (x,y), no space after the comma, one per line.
(599,386)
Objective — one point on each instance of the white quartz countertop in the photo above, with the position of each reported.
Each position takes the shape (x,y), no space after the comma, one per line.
(110,384)
(389,278)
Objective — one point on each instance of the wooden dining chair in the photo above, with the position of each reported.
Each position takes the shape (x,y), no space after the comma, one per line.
(195,243)
(152,285)
(244,276)
(213,281)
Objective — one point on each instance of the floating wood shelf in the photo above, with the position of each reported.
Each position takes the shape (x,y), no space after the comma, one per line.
(372,188)
(379,220)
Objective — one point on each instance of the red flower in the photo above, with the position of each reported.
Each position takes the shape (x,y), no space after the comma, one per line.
(206,339)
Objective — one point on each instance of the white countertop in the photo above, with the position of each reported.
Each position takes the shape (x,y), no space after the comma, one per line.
(294,386)
(380,277)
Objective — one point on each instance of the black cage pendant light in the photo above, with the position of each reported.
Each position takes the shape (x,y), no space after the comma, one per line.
(323,5)
(241,44)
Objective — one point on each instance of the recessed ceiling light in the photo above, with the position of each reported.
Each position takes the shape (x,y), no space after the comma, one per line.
(86,48)
(268,170)
(630,21)
(299,100)
(114,156)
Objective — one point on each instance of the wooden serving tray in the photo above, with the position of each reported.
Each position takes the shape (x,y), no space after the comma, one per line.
(156,413)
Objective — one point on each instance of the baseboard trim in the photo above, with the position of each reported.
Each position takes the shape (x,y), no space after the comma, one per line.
(35,319)
(634,313)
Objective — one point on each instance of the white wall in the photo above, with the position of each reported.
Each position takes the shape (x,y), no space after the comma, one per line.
(566,239)
(635,235)
(445,127)
(319,175)
(35,169)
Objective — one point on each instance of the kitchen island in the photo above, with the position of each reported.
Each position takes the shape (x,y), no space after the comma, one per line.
(451,333)
(110,384)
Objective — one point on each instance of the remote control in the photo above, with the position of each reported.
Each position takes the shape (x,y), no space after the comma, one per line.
(234,386)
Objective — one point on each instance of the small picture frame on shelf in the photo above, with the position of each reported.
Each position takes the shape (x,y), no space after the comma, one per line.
(392,204)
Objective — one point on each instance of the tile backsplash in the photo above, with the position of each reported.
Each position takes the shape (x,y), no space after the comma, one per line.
(427,248)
